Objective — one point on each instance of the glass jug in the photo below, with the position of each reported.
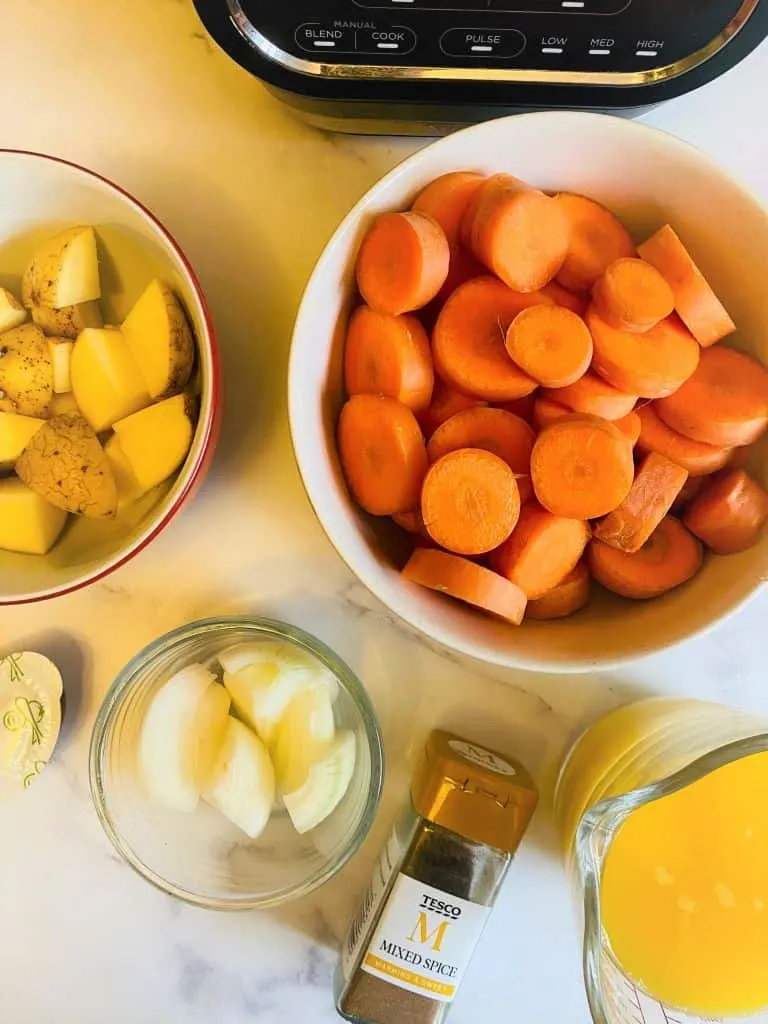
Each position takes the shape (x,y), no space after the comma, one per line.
(629,759)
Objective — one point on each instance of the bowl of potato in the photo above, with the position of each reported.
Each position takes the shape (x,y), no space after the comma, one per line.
(109,381)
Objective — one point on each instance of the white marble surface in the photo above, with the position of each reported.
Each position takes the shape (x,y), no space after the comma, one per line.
(134,89)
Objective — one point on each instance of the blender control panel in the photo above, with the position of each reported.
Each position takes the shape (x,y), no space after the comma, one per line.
(543,36)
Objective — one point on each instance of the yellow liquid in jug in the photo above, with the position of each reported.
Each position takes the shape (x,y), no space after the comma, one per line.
(684,893)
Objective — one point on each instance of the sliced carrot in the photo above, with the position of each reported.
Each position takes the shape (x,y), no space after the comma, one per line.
(493,430)
(570,595)
(446,402)
(729,513)
(388,355)
(468,340)
(577,302)
(517,232)
(446,200)
(383,454)
(470,501)
(629,425)
(692,486)
(655,436)
(462,268)
(542,550)
(596,239)
(724,403)
(652,365)
(670,557)
(658,482)
(402,263)
(581,467)
(465,581)
(594,396)
(550,344)
(632,295)
(522,407)
(696,303)
(546,411)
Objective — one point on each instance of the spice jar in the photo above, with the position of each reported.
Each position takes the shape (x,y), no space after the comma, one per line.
(434,885)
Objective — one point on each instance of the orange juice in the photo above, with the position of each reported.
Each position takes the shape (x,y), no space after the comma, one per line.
(684,893)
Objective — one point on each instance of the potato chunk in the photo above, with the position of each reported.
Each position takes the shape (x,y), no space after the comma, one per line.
(65,464)
(15,434)
(68,321)
(156,440)
(64,271)
(26,371)
(160,340)
(27,523)
(12,313)
(106,382)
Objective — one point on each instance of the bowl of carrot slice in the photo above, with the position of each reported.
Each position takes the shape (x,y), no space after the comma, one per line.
(528,391)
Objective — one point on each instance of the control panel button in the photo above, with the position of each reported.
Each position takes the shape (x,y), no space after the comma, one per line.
(318,38)
(396,39)
(481,42)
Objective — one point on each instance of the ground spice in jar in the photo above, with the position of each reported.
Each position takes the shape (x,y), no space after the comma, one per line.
(434,885)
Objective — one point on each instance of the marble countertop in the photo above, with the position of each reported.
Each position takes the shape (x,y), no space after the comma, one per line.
(136,91)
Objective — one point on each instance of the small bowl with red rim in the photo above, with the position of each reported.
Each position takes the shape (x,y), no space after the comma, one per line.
(45,194)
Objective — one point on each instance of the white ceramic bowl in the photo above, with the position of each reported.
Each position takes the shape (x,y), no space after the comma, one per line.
(42,194)
(648,178)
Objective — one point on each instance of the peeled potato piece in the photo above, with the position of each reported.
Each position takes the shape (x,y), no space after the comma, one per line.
(160,340)
(61,360)
(242,783)
(28,524)
(106,382)
(15,434)
(156,440)
(65,464)
(64,271)
(183,724)
(128,487)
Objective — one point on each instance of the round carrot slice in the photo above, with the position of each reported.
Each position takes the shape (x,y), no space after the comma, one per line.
(446,200)
(517,232)
(655,436)
(468,340)
(729,513)
(652,365)
(551,344)
(629,425)
(582,467)
(402,263)
(388,355)
(382,453)
(493,430)
(633,296)
(542,550)
(724,403)
(596,239)
(670,557)
(465,581)
(470,501)
(446,402)
(568,597)
(593,396)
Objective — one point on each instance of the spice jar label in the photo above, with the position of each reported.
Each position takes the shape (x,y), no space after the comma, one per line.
(424,939)
(482,758)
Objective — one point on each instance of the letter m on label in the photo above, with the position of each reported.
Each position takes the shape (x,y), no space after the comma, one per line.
(425,936)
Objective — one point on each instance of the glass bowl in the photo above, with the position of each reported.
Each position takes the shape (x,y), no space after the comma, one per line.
(201,857)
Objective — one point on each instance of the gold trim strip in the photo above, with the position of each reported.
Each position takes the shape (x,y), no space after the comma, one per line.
(399,73)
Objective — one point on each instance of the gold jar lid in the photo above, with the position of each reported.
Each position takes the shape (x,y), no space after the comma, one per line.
(477,793)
